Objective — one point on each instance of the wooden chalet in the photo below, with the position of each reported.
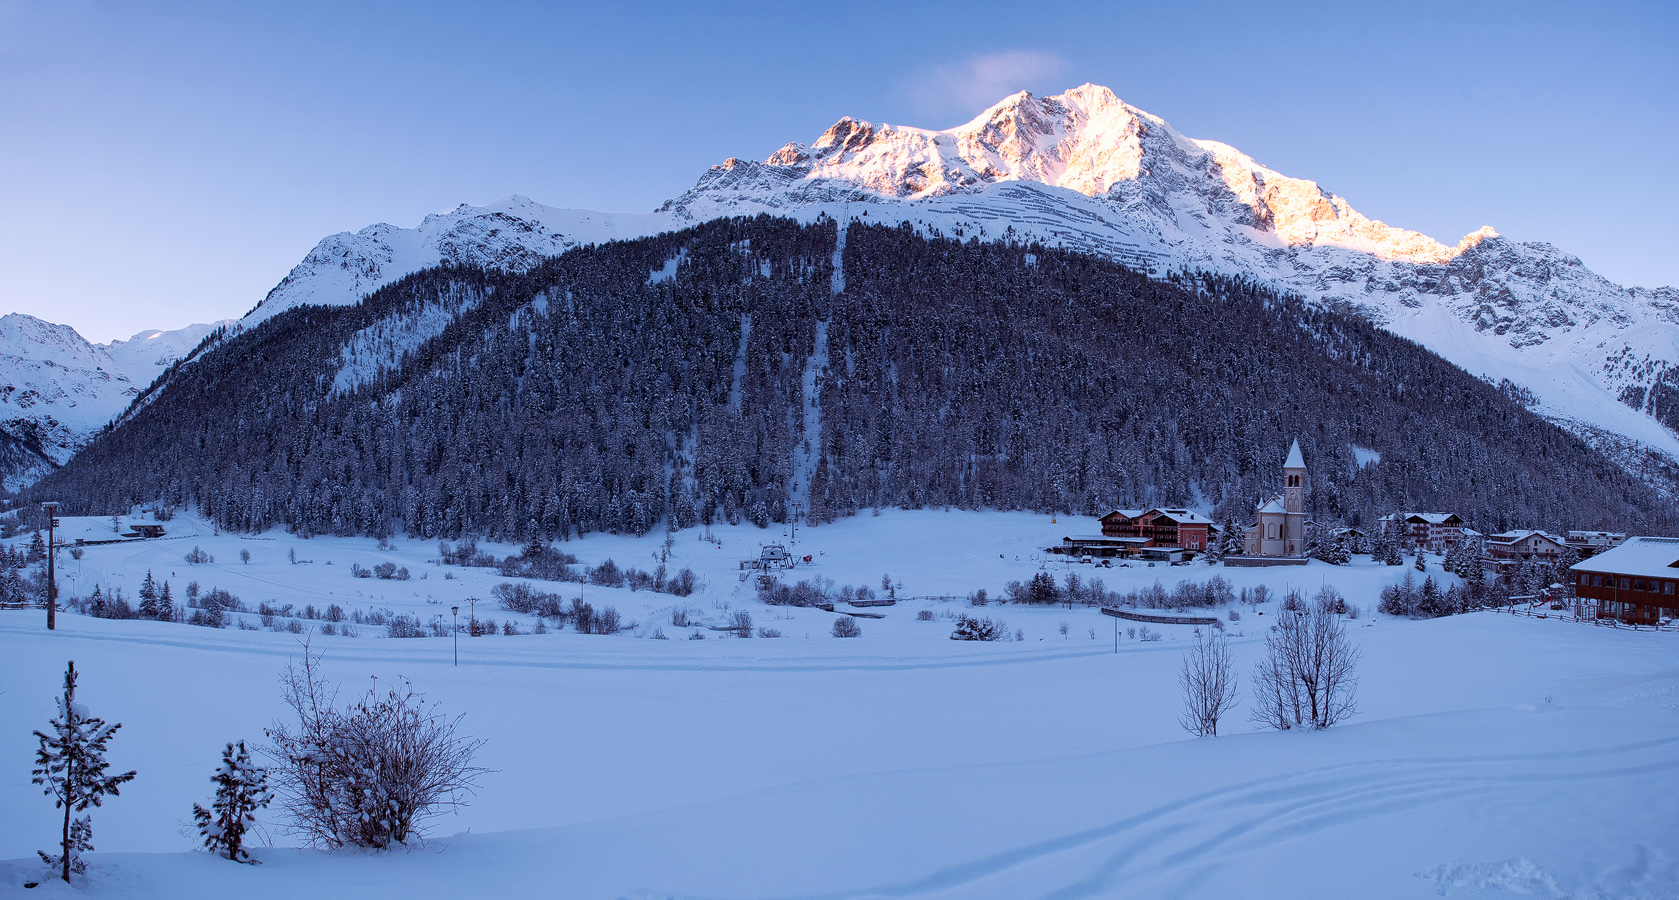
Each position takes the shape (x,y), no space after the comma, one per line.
(1167,527)
(144,531)
(1636,582)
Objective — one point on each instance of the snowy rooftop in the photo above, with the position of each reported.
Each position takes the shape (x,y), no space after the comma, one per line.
(1432,518)
(1510,537)
(1650,557)
(1184,516)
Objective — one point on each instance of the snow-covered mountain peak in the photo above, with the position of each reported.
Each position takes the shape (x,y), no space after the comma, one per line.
(1085,140)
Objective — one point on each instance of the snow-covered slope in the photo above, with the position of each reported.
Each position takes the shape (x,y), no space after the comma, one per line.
(56,389)
(512,233)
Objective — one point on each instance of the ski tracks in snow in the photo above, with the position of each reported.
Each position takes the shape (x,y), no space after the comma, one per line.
(1179,848)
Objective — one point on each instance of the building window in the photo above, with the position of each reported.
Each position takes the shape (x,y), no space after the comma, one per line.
(1597,581)
(1667,587)
(1626,584)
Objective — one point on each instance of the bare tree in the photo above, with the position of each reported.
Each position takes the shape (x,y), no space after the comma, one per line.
(369,774)
(1306,678)
(1209,684)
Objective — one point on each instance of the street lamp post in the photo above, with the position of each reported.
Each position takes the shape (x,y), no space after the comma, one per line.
(455,611)
(52,583)
(472,611)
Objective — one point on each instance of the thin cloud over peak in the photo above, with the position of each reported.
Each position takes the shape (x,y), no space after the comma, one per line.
(965,87)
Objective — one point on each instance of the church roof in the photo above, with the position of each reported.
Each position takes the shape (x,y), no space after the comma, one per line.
(1295,460)
(1274,505)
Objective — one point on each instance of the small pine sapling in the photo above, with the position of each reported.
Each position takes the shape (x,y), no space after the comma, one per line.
(70,764)
(241,790)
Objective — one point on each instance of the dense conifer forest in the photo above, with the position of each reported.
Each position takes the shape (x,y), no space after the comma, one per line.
(664,380)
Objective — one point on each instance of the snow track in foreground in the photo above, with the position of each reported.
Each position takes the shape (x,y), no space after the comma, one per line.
(851,770)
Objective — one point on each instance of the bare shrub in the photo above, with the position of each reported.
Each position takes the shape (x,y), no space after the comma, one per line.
(847,627)
(197,556)
(1306,678)
(925,615)
(1209,684)
(683,584)
(607,574)
(523,598)
(368,775)
(404,627)
(741,624)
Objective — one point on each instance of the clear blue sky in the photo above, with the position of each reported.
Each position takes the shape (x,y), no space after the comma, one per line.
(168,162)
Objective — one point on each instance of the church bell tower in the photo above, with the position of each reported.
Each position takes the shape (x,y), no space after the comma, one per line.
(1294,480)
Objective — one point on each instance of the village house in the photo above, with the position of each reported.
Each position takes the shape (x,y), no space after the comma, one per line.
(1161,527)
(1636,582)
(1587,543)
(1524,544)
(1424,530)
(1507,550)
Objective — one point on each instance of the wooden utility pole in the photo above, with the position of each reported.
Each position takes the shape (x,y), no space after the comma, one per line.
(52,583)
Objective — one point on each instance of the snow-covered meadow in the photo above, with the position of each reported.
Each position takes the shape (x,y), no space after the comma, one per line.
(1491,755)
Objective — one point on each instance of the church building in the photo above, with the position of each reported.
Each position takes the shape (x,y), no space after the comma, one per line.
(1281,527)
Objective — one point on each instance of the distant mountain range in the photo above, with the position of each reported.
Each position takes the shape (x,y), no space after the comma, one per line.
(57,389)
(1085,171)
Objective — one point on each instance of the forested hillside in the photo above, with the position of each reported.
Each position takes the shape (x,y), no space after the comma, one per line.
(625,384)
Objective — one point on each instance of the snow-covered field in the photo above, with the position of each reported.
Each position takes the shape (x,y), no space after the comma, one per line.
(1492,755)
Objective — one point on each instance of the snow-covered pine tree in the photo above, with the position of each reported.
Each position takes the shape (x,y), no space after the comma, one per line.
(1432,602)
(1215,548)
(11,587)
(37,548)
(1332,550)
(241,790)
(1235,539)
(1420,564)
(71,764)
(96,603)
(148,596)
(165,605)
